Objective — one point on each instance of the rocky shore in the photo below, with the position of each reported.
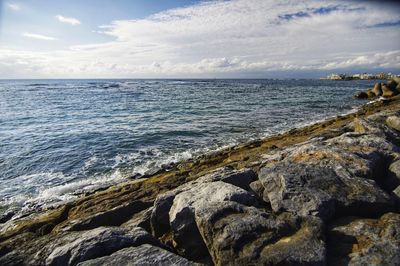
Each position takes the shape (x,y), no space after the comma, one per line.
(324,194)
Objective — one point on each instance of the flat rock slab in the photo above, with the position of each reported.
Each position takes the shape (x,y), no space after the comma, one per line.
(144,255)
(355,241)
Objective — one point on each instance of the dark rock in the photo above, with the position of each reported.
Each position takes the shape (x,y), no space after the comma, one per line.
(355,241)
(388,92)
(370,94)
(392,85)
(77,247)
(141,255)
(377,89)
(362,95)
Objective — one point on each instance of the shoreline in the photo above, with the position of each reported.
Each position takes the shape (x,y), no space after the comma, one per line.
(131,198)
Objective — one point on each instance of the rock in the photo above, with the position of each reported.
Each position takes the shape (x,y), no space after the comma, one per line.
(218,219)
(398,88)
(392,85)
(338,176)
(377,89)
(257,188)
(370,94)
(312,190)
(182,214)
(241,235)
(80,246)
(394,172)
(365,241)
(387,92)
(396,192)
(362,95)
(396,79)
(141,255)
(141,219)
(160,214)
(393,122)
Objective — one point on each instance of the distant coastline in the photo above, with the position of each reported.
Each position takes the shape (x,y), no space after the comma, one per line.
(363,76)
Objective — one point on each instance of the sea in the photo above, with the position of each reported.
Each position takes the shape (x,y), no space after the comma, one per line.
(60,139)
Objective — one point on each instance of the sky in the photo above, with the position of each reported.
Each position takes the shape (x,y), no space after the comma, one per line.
(197,39)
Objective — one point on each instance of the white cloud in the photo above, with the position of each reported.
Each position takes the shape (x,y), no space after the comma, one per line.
(14,6)
(71,21)
(38,36)
(229,37)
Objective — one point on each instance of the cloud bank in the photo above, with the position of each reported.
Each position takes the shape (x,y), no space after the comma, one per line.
(14,7)
(224,38)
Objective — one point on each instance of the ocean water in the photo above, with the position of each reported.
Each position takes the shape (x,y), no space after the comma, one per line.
(61,138)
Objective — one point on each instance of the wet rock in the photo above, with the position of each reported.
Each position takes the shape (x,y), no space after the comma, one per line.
(355,241)
(393,122)
(377,89)
(77,247)
(141,255)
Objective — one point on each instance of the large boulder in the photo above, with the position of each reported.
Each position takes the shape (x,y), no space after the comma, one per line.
(187,238)
(392,84)
(241,235)
(370,94)
(355,241)
(388,92)
(377,89)
(321,191)
(160,215)
(212,218)
(144,255)
(339,176)
(80,246)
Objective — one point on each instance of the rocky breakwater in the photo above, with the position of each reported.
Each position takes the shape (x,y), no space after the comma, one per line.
(387,90)
(324,194)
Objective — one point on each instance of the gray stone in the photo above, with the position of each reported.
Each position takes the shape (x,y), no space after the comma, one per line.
(182,214)
(141,255)
(365,241)
(160,214)
(80,246)
(334,177)
(240,235)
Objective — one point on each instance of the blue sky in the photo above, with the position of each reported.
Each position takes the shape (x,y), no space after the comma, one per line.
(189,39)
